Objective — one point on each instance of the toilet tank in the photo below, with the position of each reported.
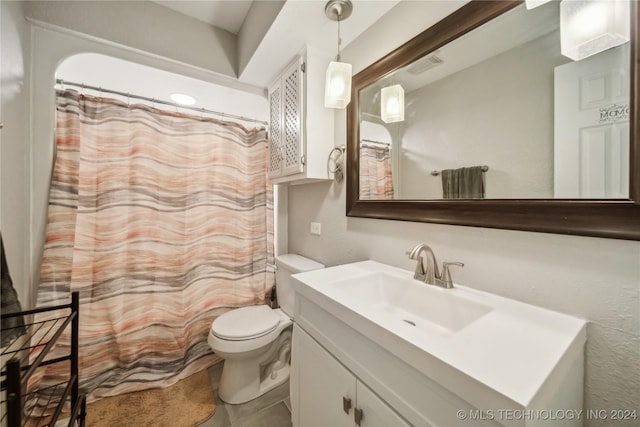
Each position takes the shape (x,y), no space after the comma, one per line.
(289,264)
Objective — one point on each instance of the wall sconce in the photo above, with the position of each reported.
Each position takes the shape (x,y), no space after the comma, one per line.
(588,27)
(337,87)
(392,104)
(535,3)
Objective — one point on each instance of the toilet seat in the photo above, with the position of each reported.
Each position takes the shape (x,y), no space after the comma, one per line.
(245,323)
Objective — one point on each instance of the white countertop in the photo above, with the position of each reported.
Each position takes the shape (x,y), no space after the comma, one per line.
(513,349)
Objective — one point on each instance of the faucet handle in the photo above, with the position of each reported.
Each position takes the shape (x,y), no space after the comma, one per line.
(446,274)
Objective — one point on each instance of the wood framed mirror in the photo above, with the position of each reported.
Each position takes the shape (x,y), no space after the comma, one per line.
(616,217)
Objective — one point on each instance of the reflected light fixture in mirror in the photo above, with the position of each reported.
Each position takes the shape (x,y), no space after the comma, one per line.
(588,27)
(392,104)
(337,89)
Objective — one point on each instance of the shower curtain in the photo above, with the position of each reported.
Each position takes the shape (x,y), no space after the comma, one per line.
(161,221)
(376,176)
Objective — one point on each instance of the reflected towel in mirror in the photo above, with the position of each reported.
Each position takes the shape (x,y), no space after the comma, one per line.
(463,183)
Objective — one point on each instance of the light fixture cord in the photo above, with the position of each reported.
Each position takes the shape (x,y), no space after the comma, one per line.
(339,14)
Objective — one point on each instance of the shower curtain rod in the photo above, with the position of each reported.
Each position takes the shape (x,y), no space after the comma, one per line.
(157,101)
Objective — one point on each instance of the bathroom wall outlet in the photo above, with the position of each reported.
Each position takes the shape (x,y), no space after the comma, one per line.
(316,228)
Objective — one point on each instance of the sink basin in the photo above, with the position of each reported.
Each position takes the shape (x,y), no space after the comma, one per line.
(425,307)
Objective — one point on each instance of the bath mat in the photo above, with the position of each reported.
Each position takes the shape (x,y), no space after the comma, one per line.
(187,403)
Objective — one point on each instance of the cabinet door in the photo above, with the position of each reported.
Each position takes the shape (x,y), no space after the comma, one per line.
(320,384)
(275,130)
(375,412)
(292,113)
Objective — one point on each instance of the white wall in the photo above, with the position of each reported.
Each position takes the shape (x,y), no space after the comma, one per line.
(145,26)
(592,278)
(454,120)
(255,26)
(14,144)
(129,77)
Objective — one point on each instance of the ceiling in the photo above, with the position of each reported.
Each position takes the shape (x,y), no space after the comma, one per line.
(225,14)
(297,23)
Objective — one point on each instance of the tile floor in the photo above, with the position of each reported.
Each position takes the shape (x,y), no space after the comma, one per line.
(269,410)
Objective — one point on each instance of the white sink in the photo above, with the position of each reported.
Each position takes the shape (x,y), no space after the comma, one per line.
(492,351)
(427,308)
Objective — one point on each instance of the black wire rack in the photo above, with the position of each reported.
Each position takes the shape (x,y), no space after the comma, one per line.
(28,353)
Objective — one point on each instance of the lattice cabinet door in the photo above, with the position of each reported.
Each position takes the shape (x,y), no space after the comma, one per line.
(292,110)
(301,129)
(275,131)
(286,149)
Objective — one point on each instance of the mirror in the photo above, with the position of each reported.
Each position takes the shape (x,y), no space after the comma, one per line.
(497,137)
(488,100)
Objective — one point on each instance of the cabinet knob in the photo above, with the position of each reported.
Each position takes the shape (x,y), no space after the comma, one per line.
(357,416)
(346,404)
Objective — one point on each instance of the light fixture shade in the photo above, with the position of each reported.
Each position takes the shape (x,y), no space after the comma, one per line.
(337,87)
(535,3)
(588,27)
(392,104)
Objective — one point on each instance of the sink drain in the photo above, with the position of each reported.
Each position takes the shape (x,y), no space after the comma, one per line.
(409,322)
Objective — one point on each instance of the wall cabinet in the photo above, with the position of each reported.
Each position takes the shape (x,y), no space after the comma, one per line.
(325,393)
(301,130)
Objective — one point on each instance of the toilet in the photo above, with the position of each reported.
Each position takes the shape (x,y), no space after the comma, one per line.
(255,341)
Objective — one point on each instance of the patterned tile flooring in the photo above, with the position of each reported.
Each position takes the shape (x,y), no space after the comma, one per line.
(269,410)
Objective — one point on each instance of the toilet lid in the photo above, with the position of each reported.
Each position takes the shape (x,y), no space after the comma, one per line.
(245,323)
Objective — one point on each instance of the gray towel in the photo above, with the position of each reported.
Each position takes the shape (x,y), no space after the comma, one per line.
(12,327)
(463,183)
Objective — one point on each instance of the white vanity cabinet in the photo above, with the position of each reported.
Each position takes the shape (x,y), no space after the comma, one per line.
(328,394)
(301,131)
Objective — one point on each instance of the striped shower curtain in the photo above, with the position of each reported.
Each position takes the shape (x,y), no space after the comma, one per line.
(376,176)
(162,221)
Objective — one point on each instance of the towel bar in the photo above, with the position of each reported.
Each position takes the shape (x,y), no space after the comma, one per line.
(436,173)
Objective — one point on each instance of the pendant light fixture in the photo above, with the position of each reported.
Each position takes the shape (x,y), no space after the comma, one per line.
(337,87)
(588,27)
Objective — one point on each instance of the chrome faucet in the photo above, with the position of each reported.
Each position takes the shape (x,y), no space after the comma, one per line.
(429,273)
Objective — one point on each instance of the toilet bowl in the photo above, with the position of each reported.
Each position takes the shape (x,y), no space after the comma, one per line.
(255,341)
